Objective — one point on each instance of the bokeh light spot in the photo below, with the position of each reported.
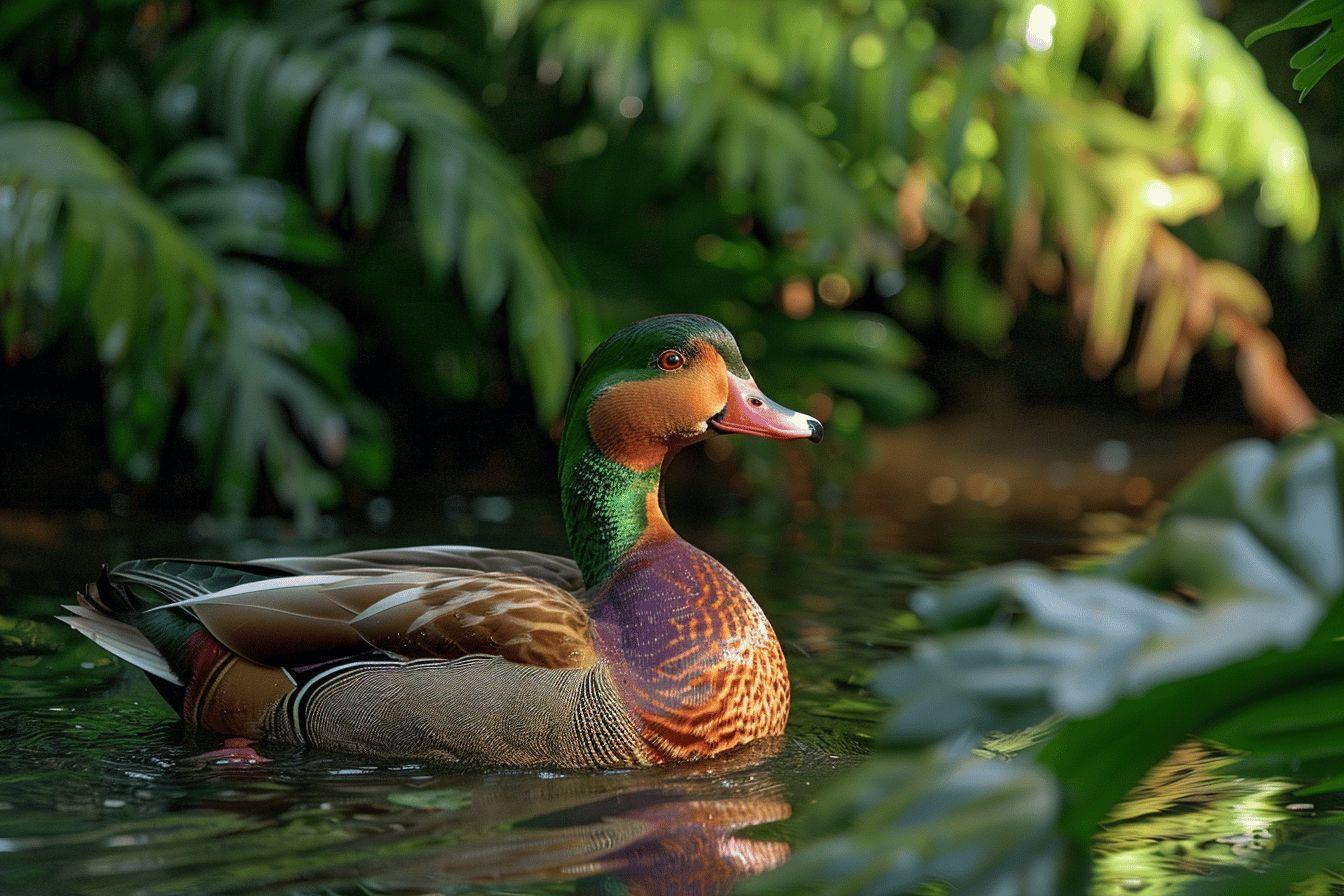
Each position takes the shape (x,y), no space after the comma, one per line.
(835,290)
(942,490)
(1040,33)
(868,50)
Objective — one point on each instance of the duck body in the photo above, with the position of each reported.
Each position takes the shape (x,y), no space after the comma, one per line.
(642,650)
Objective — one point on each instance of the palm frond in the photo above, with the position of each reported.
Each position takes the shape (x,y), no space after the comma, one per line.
(83,245)
(271,394)
(348,95)
(266,365)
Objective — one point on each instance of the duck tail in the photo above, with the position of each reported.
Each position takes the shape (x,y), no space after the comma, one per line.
(120,639)
(116,618)
(102,596)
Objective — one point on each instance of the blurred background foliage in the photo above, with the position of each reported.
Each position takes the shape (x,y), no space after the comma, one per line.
(254,217)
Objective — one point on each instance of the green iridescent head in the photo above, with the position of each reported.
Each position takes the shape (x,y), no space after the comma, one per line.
(645,393)
(665,382)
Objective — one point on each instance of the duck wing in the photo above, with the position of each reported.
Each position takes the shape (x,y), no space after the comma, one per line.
(561,572)
(292,621)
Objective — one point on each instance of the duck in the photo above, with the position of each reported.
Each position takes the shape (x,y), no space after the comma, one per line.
(639,650)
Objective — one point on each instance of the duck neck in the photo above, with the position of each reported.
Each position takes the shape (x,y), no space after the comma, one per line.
(608,509)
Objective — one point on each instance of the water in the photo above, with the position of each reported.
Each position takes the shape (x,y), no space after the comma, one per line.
(102,790)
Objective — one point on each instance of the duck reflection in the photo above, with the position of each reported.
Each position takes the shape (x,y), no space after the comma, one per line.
(683,831)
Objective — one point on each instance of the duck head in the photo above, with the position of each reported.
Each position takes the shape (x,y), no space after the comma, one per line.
(644,394)
(667,382)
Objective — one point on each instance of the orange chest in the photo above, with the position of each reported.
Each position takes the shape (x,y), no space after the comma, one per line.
(693,656)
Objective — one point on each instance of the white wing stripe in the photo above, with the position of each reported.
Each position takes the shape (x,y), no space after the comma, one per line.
(279,584)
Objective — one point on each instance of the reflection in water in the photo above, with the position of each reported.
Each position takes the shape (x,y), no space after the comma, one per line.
(661,831)
(1189,816)
(149,818)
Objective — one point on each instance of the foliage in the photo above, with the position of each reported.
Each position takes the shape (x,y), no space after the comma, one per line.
(266,365)
(904,820)
(351,93)
(1014,125)
(1223,624)
(568,166)
(1325,52)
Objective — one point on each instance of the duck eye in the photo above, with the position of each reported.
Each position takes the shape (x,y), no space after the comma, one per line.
(671,359)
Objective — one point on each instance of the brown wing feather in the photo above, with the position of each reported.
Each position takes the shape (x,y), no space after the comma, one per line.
(502,615)
(561,572)
(299,620)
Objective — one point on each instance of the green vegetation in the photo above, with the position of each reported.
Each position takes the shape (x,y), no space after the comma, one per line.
(1325,52)
(1223,625)
(200,198)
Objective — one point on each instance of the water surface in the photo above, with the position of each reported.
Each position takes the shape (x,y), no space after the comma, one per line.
(103,791)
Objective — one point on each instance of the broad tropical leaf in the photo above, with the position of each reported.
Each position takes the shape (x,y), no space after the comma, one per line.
(1225,624)
(899,821)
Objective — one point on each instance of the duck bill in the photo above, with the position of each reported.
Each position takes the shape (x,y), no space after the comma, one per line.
(750,412)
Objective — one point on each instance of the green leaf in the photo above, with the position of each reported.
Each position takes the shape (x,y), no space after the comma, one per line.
(203,160)
(250,68)
(975,310)
(274,384)
(888,397)
(1255,537)
(266,364)
(1330,53)
(1114,674)
(436,185)
(538,328)
(285,97)
(865,338)
(368,100)
(1312,12)
(896,822)
(340,110)
(373,153)
(247,215)
(484,263)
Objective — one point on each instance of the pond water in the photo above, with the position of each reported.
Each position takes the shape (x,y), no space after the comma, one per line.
(102,790)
